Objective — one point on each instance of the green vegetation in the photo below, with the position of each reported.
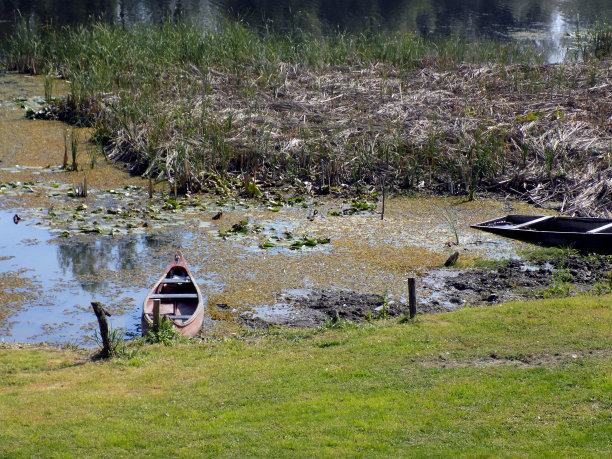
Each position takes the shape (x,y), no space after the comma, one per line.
(165,334)
(524,379)
(596,43)
(232,108)
(235,46)
(563,256)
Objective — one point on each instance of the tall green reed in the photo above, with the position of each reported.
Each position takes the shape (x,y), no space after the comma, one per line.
(143,65)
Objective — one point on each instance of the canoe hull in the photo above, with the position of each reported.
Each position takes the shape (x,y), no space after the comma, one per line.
(554,231)
(180,300)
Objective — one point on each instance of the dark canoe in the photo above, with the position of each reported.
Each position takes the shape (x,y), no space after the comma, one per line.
(585,234)
(180,300)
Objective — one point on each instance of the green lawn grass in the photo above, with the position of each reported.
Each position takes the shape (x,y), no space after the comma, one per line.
(522,379)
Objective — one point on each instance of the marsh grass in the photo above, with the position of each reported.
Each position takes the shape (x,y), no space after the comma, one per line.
(65,160)
(595,43)
(79,189)
(48,89)
(523,379)
(202,107)
(91,148)
(450,216)
(559,256)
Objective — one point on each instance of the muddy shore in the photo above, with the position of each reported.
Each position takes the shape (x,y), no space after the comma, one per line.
(443,290)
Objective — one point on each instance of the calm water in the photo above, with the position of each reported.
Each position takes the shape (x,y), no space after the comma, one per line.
(546,22)
(63,311)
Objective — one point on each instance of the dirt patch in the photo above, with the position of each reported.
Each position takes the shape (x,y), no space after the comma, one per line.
(443,290)
(519,280)
(528,361)
(311,308)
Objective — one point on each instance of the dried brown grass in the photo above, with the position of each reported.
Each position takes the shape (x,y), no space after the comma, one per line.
(543,132)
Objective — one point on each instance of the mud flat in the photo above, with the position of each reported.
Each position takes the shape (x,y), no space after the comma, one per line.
(443,290)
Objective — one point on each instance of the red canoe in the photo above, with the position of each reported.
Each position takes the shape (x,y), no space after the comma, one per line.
(180,300)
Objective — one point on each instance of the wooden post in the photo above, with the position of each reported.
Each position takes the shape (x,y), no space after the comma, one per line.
(156,305)
(412,297)
(101,314)
(382,215)
(65,162)
(150,187)
(187,174)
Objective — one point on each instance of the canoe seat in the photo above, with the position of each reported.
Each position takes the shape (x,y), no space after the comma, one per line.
(176,280)
(178,317)
(173,296)
(533,222)
(601,228)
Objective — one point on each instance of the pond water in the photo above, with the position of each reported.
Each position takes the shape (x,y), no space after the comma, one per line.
(50,280)
(545,22)
(59,281)
(112,245)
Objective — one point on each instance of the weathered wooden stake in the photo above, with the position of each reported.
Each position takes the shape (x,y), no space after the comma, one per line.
(187,173)
(65,162)
(150,188)
(156,305)
(382,215)
(412,297)
(101,314)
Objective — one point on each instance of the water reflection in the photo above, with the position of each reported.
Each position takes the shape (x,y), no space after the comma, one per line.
(68,274)
(546,21)
(427,16)
(84,261)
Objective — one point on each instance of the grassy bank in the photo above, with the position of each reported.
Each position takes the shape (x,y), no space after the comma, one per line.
(528,379)
(236,108)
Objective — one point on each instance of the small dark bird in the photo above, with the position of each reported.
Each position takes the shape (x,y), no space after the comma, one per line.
(16,219)
(452,259)
(217,216)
